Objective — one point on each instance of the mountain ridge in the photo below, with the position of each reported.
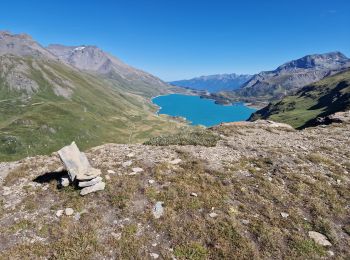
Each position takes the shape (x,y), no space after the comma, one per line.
(40,95)
(293,75)
(214,83)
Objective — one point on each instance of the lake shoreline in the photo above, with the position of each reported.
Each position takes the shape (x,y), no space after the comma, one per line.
(200,111)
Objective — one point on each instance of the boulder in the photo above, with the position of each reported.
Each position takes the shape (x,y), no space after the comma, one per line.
(97,187)
(77,164)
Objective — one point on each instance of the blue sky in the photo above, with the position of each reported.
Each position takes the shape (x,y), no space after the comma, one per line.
(177,39)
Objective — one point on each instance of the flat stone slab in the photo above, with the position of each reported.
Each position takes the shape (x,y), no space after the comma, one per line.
(94,181)
(77,164)
(97,187)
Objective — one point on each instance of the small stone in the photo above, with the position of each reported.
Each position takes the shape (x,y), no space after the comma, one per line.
(154,255)
(97,187)
(69,211)
(117,236)
(130,155)
(338,181)
(193,194)
(110,172)
(151,181)
(245,221)
(284,215)
(94,181)
(176,161)
(65,182)
(137,170)
(107,177)
(154,244)
(158,209)
(59,213)
(269,178)
(126,164)
(330,253)
(77,216)
(319,238)
(213,215)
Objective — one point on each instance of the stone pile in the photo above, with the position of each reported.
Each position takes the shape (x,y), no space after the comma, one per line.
(80,170)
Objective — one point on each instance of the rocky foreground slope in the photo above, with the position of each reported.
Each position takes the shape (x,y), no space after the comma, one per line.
(264,191)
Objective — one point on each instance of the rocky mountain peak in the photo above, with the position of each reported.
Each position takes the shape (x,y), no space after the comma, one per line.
(22,45)
(332,60)
(294,75)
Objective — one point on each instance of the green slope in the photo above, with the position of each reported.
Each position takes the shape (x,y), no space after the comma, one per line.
(320,99)
(96,112)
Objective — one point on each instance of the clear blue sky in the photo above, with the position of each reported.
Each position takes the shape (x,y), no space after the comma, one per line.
(176,39)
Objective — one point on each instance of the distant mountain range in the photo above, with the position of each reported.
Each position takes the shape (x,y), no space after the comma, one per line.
(51,96)
(293,75)
(214,83)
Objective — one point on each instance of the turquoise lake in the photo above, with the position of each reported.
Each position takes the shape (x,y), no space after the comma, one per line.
(201,111)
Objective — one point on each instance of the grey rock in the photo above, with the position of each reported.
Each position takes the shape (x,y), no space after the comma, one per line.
(284,215)
(158,209)
(59,212)
(175,161)
(77,164)
(213,215)
(69,211)
(130,155)
(97,187)
(319,238)
(92,182)
(65,182)
(154,255)
(136,170)
(127,163)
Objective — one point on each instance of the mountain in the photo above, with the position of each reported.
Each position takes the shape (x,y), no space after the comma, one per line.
(46,103)
(22,45)
(214,83)
(303,108)
(293,75)
(93,59)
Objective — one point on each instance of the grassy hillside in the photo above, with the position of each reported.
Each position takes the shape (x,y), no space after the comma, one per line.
(68,105)
(320,99)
